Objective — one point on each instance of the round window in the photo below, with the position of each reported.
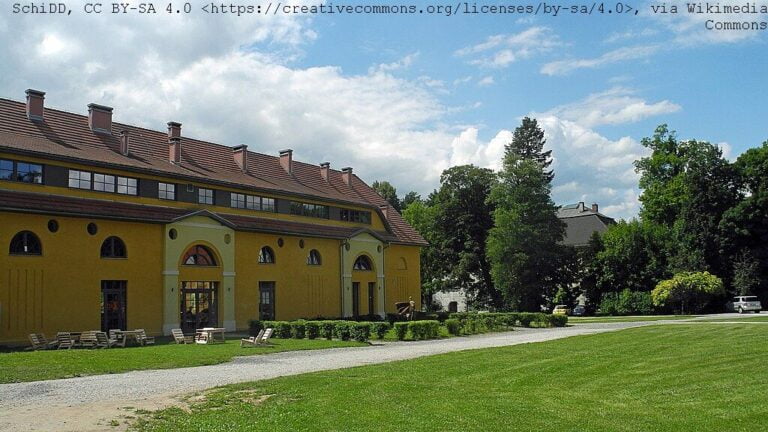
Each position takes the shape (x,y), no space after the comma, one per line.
(301,243)
(172,234)
(280,242)
(92,228)
(53,225)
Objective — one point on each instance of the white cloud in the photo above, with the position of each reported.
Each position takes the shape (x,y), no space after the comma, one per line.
(631,34)
(501,50)
(403,63)
(615,106)
(562,67)
(486,81)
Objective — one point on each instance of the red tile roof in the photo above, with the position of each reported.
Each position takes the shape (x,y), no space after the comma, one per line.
(65,135)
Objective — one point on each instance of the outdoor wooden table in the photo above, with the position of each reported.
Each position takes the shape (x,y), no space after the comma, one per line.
(128,334)
(207,335)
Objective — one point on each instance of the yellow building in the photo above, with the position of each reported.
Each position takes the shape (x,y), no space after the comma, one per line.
(106,226)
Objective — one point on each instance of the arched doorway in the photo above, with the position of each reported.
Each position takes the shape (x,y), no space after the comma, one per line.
(199,272)
(364,289)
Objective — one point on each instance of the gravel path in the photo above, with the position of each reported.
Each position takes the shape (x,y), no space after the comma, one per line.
(91,403)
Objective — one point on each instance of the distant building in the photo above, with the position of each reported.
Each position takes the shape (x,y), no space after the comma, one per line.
(581,222)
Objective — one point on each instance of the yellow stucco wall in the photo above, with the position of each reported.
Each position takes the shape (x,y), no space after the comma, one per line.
(61,290)
(403,280)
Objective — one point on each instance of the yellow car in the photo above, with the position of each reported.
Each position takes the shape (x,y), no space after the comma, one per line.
(561,310)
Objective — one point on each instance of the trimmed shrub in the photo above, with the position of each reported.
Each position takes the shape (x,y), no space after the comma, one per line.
(327,329)
(298,329)
(361,331)
(558,320)
(401,330)
(343,330)
(313,329)
(424,329)
(688,291)
(283,329)
(380,329)
(453,325)
(526,318)
(254,327)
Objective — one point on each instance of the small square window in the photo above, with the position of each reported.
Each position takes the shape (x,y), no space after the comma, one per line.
(6,170)
(29,173)
(104,182)
(237,200)
(127,186)
(205,196)
(252,202)
(166,191)
(268,204)
(79,179)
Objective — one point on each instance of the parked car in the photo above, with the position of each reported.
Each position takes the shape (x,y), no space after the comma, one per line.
(561,310)
(743,304)
(579,310)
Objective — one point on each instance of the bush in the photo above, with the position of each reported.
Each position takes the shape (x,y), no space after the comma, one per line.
(343,330)
(380,329)
(425,329)
(361,331)
(283,329)
(558,320)
(690,291)
(299,329)
(313,329)
(254,327)
(626,303)
(526,318)
(327,329)
(453,325)
(401,330)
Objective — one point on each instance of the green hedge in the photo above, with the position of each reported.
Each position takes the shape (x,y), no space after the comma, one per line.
(380,329)
(401,329)
(426,329)
(453,326)
(313,329)
(473,322)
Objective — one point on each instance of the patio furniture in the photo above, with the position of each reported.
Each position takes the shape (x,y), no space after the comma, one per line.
(207,335)
(39,342)
(267,335)
(103,341)
(253,340)
(88,339)
(65,340)
(181,338)
(117,335)
(123,336)
(143,339)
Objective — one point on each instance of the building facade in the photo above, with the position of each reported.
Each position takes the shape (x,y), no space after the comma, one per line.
(105,225)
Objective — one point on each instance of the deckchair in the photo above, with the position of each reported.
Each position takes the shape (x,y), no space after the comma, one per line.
(267,335)
(181,338)
(65,340)
(88,339)
(253,340)
(144,339)
(103,341)
(39,342)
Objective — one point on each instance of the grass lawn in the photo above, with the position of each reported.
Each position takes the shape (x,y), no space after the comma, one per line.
(607,319)
(41,365)
(657,378)
(756,318)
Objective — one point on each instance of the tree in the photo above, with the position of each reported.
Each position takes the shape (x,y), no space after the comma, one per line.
(388,192)
(634,257)
(462,219)
(409,198)
(524,244)
(421,216)
(690,291)
(528,143)
(589,271)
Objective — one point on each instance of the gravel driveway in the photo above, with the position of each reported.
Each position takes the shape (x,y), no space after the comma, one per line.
(91,403)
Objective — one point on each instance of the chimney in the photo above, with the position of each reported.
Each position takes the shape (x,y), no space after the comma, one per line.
(125,143)
(286,160)
(385,210)
(174,149)
(100,118)
(325,171)
(35,105)
(346,175)
(240,153)
(594,207)
(174,130)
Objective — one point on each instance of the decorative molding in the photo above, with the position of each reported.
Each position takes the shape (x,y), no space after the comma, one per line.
(228,274)
(171,273)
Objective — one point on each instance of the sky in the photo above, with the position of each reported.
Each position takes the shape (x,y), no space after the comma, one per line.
(403,97)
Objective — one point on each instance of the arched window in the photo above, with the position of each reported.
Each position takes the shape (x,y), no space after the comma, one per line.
(363,263)
(26,243)
(266,255)
(314,257)
(401,264)
(199,255)
(113,247)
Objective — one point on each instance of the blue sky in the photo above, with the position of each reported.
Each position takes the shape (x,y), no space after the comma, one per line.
(401,98)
